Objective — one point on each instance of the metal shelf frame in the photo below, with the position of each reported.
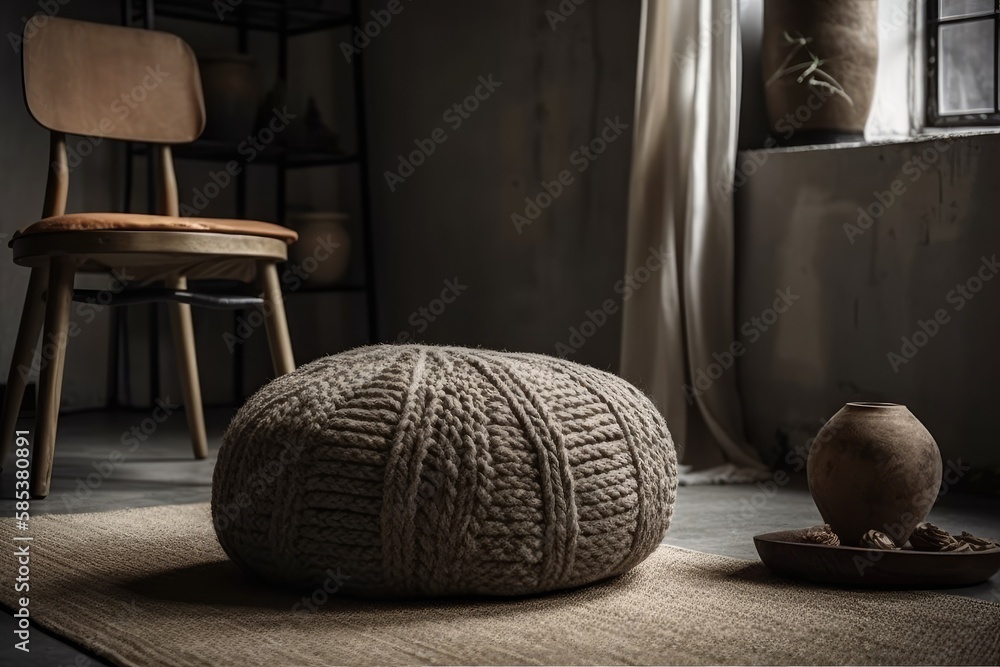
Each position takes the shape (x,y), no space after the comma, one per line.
(286,18)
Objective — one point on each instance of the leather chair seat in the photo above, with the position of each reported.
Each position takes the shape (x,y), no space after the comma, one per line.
(136,222)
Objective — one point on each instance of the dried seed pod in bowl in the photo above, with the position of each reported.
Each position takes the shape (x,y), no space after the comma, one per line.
(978,543)
(874,539)
(822,535)
(928,537)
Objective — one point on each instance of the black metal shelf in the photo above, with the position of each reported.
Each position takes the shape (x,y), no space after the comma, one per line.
(284,18)
(220,151)
(294,17)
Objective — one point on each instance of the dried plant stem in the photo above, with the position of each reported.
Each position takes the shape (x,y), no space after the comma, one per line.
(812,74)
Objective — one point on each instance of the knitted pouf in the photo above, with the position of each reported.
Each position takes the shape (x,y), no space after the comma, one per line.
(418,470)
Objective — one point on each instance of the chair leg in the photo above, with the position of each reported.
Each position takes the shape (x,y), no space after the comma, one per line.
(24,351)
(182,331)
(54,340)
(274,318)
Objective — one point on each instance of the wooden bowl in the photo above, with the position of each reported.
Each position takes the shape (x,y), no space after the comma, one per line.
(787,554)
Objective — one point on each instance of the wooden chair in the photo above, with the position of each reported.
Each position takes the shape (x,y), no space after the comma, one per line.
(135,85)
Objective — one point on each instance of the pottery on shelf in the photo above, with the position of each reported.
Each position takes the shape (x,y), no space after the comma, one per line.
(231,94)
(323,251)
(275,98)
(310,132)
(820,60)
(874,466)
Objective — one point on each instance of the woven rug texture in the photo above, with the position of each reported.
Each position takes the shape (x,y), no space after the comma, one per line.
(152,586)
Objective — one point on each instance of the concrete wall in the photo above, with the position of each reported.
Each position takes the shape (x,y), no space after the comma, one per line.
(857,300)
(919,256)
(452,218)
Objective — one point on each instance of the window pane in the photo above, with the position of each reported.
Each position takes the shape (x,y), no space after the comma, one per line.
(965,67)
(954,8)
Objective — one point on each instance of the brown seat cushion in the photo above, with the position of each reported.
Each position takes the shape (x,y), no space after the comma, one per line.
(135,222)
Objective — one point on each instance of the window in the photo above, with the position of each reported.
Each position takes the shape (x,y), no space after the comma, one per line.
(963,57)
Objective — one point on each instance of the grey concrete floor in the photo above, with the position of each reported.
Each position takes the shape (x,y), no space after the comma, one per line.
(162,471)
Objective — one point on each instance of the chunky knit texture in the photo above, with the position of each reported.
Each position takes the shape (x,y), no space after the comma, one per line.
(418,470)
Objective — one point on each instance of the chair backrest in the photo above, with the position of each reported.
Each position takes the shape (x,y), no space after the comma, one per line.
(109,81)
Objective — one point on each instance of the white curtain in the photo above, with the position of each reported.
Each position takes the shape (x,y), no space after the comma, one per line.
(687,114)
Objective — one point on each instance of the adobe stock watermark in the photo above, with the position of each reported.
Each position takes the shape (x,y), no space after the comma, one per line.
(752,330)
(626,288)
(957,298)
(46,10)
(562,12)
(703,40)
(751,507)
(260,482)
(321,594)
(86,312)
(899,19)
(883,200)
(249,149)
(122,107)
(753,160)
(424,316)
(363,35)
(223,7)
(581,158)
(292,278)
(129,443)
(454,116)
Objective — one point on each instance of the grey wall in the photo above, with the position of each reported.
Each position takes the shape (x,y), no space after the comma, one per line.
(858,300)
(452,218)
(933,208)
(450,221)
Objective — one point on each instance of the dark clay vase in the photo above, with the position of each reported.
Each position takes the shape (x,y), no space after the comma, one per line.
(830,103)
(874,466)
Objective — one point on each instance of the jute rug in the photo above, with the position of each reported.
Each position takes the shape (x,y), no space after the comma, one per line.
(152,587)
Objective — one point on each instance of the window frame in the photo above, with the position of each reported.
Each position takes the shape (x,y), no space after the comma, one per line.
(932,116)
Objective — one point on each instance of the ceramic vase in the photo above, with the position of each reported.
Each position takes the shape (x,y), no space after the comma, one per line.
(820,60)
(874,466)
(231,94)
(323,250)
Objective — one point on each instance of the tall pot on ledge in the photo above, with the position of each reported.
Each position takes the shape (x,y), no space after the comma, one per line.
(820,61)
